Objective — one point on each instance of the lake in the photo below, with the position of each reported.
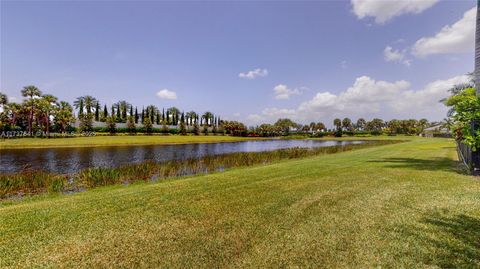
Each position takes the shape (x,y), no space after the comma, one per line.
(71,160)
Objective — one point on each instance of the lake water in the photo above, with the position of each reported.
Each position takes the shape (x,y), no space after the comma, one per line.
(70,160)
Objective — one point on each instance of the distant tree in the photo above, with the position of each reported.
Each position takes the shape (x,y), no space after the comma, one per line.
(80,108)
(319,126)
(337,123)
(111,124)
(173,112)
(205,129)
(47,107)
(112,113)
(285,125)
(190,116)
(147,124)
(131,111)
(131,128)
(183,128)
(361,122)
(86,123)
(3,100)
(196,128)
(31,92)
(87,101)
(105,113)
(207,118)
(143,115)
(375,126)
(158,118)
(64,116)
(347,124)
(164,126)
(97,111)
(234,127)
(136,115)
(119,114)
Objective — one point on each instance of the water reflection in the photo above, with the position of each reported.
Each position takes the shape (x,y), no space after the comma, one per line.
(69,160)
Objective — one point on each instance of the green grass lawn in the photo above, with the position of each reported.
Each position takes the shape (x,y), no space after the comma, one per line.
(113,141)
(404,205)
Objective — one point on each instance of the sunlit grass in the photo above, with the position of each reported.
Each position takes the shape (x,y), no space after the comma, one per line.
(405,205)
(114,141)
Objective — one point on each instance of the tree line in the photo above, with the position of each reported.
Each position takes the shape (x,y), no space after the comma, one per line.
(45,113)
(346,126)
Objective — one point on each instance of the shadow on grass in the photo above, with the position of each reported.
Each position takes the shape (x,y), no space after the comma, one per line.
(433,164)
(450,242)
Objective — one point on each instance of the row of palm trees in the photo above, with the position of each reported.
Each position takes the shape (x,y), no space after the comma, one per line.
(35,112)
(122,110)
(44,112)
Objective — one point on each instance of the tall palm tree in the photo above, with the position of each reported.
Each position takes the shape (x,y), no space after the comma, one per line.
(338,123)
(124,107)
(31,92)
(207,116)
(48,105)
(87,101)
(191,116)
(174,113)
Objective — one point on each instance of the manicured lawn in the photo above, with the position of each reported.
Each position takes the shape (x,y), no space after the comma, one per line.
(113,141)
(404,205)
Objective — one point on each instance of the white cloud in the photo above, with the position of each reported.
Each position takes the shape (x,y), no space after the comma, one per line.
(457,38)
(427,99)
(385,10)
(395,55)
(282,92)
(167,94)
(369,98)
(254,73)
(368,90)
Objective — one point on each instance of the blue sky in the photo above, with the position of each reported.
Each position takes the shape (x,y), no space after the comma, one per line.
(307,60)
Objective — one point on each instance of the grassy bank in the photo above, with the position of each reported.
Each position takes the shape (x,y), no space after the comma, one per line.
(113,141)
(34,182)
(403,205)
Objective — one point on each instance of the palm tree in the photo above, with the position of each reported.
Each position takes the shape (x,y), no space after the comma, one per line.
(173,112)
(346,123)
(64,115)
(338,123)
(14,109)
(48,105)
(191,116)
(31,92)
(87,101)
(124,106)
(207,116)
(151,112)
(361,122)
(320,126)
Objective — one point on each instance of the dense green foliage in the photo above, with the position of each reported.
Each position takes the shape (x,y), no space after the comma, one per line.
(464,113)
(42,113)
